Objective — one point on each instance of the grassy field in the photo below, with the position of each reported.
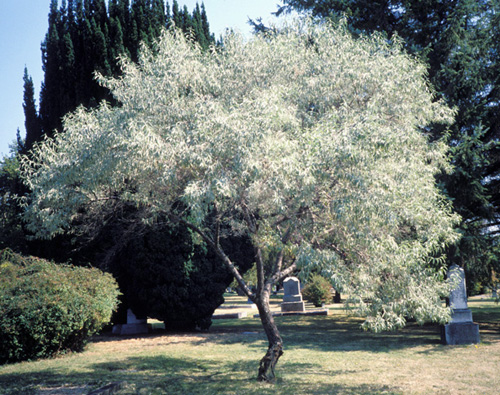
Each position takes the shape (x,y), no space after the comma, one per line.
(323,355)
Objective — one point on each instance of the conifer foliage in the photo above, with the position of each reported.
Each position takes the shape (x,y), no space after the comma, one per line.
(85,36)
(31,122)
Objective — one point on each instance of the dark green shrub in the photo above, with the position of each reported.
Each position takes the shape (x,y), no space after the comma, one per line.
(46,308)
(164,275)
(317,290)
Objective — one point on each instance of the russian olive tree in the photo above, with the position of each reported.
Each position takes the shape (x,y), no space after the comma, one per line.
(306,140)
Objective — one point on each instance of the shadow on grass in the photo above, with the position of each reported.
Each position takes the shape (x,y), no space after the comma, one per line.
(141,372)
(328,333)
(485,313)
(338,332)
(324,333)
(167,375)
(350,337)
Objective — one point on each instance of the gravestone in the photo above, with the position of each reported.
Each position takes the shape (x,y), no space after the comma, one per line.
(251,304)
(292,299)
(134,325)
(461,329)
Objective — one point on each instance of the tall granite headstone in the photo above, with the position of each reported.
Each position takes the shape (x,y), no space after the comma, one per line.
(292,298)
(461,329)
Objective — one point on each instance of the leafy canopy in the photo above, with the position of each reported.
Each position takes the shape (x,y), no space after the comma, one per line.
(459,42)
(306,132)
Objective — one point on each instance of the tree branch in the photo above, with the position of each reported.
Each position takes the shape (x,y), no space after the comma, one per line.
(252,226)
(278,276)
(260,270)
(220,252)
(279,259)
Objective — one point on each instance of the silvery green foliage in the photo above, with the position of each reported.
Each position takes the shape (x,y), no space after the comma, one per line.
(309,130)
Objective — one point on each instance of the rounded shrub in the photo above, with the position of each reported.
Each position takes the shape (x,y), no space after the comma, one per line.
(164,275)
(318,290)
(48,308)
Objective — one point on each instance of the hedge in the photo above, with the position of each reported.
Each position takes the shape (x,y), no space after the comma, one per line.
(48,308)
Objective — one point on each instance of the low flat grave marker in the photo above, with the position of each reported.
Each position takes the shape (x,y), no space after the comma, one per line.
(134,325)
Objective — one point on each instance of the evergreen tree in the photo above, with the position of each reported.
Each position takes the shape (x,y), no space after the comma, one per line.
(84,36)
(78,44)
(100,13)
(50,112)
(186,23)
(168,15)
(163,275)
(491,111)
(141,16)
(116,42)
(177,15)
(67,72)
(205,26)
(31,121)
(158,17)
(99,50)
(200,27)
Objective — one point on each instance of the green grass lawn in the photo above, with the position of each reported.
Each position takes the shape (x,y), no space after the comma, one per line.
(323,355)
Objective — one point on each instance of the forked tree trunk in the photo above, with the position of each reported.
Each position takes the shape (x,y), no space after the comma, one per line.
(275,348)
(260,298)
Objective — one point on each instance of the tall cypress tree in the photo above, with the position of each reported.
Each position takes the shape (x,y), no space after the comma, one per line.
(31,121)
(100,13)
(187,22)
(116,42)
(158,17)
(84,36)
(141,16)
(67,69)
(197,26)
(210,38)
(50,112)
(177,15)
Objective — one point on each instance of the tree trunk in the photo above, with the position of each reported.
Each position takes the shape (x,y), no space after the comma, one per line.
(337,298)
(275,349)
(260,297)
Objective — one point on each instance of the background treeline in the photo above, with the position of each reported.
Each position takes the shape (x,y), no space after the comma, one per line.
(460,43)
(85,36)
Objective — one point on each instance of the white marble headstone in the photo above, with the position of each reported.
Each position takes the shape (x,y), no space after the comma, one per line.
(458,296)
